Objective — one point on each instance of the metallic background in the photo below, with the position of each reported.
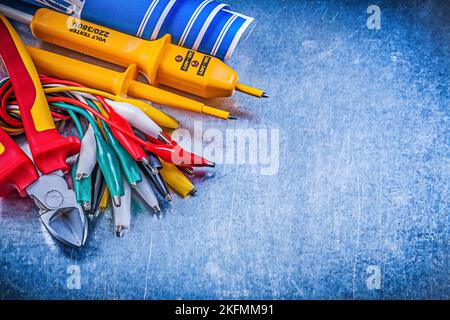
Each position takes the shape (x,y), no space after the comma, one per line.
(363,181)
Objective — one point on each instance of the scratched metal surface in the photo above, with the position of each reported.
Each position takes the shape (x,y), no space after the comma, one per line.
(363,179)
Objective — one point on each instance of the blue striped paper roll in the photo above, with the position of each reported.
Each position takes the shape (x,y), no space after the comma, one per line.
(204,25)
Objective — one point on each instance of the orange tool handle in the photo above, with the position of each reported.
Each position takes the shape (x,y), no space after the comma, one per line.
(48,148)
(17,171)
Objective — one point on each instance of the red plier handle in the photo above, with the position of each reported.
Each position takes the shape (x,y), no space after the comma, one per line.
(17,171)
(48,148)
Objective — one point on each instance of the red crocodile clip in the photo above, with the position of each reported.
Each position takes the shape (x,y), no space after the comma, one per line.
(175,154)
(133,148)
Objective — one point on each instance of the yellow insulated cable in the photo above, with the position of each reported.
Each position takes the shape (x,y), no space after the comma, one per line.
(12,131)
(15,131)
(99,122)
(104,201)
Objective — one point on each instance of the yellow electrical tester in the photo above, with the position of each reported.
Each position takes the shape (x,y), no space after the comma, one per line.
(119,84)
(160,61)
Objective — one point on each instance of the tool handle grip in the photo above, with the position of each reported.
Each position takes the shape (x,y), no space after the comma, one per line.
(48,148)
(17,171)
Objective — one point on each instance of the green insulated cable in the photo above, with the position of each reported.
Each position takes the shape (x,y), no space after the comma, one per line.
(128,164)
(83,187)
(77,122)
(107,160)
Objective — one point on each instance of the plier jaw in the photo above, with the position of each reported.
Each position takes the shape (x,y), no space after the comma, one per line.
(59,211)
(58,208)
(67,225)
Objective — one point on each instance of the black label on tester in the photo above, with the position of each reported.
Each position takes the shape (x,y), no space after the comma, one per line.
(204,66)
(187,60)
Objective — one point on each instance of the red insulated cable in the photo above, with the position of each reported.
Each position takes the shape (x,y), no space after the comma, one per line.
(133,148)
(172,142)
(5,85)
(49,80)
(178,156)
(97,114)
(6,117)
(54,114)
(6,91)
(60,116)
(169,153)
(172,153)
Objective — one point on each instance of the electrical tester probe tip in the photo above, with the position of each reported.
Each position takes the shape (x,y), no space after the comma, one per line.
(210,164)
(168,197)
(157,209)
(232,117)
(265,95)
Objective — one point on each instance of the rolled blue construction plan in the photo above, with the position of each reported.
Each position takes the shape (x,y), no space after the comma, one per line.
(204,25)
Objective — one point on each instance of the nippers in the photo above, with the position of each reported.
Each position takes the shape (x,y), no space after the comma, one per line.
(59,210)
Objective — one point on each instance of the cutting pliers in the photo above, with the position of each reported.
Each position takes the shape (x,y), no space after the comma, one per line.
(59,210)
